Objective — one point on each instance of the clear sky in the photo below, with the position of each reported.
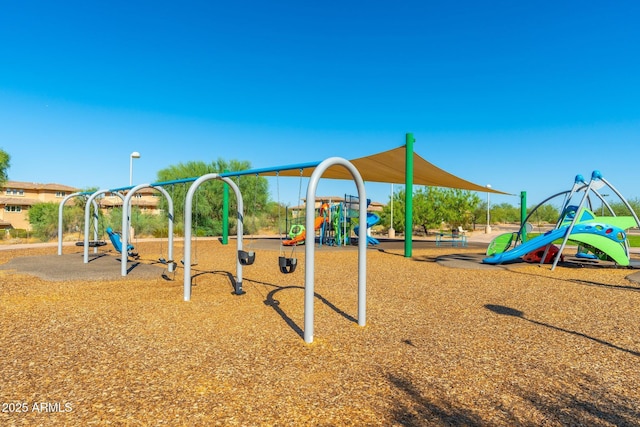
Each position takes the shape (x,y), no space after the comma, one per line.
(519,95)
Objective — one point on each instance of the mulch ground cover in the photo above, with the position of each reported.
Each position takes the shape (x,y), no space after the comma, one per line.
(445,343)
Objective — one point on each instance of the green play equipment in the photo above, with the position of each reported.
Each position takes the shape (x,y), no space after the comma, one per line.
(598,237)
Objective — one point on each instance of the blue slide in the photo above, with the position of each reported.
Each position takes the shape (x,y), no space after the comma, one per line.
(372,219)
(525,248)
(607,238)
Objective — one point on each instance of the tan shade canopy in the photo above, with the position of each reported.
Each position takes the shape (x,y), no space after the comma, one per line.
(389,167)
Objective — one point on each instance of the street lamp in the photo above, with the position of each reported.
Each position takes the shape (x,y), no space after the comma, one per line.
(134,155)
(488,229)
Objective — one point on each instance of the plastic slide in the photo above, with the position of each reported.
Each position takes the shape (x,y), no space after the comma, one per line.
(372,219)
(604,237)
(529,246)
(300,238)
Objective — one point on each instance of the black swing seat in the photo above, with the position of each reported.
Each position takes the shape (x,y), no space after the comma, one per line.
(287,265)
(92,243)
(164,261)
(246,258)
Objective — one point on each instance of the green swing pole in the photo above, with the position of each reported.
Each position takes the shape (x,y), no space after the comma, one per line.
(225,212)
(523,215)
(408,194)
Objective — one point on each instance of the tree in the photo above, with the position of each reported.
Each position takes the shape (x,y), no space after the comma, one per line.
(397,203)
(43,218)
(5,160)
(208,200)
(620,209)
(460,205)
(145,224)
(544,213)
(433,206)
(504,213)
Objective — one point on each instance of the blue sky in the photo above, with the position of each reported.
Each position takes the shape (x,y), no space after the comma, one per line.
(519,95)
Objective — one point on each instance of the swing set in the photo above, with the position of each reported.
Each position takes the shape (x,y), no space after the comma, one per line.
(126,223)
(188,214)
(248,257)
(286,264)
(96,224)
(91,223)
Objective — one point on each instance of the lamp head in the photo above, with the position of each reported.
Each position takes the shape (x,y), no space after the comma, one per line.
(135,155)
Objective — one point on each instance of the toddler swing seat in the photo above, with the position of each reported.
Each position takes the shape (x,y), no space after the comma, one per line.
(246,258)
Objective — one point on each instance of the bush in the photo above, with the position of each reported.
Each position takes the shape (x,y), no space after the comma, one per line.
(18,233)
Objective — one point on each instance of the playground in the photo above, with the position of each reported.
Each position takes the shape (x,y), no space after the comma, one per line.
(430,331)
(514,344)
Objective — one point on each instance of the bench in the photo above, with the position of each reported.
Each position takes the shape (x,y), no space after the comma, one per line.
(456,239)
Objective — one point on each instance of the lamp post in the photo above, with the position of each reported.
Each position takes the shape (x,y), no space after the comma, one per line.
(134,155)
(392,231)
(488,229)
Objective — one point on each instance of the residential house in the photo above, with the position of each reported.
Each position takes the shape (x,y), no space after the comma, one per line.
(147,199)
(17,197)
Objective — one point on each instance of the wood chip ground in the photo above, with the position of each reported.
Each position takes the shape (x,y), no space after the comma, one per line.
(519,346)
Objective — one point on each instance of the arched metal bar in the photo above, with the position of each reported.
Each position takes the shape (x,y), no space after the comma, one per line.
(87,208)
(188,213)
(126,223)
(309,273)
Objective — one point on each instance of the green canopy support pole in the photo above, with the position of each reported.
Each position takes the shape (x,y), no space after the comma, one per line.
(408,194)
(523,215)
(225,213)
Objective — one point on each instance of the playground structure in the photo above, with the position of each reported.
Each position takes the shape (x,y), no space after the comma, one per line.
(126,224)
(243,256)
(399,165)
(298,233)
(90,226)
(309,249)
(351,205)
(598,237)
(372,219)
(334,223)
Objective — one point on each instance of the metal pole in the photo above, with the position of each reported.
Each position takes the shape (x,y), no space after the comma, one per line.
(87,220)
(60,218)
(134,155)
(392,231)
(408,209)
(523,215)
(488,229)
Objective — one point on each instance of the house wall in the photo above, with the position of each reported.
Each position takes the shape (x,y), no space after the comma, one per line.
(147,199)
(16,198)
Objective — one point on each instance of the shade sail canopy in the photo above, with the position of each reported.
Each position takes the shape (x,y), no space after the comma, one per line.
(390,167)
